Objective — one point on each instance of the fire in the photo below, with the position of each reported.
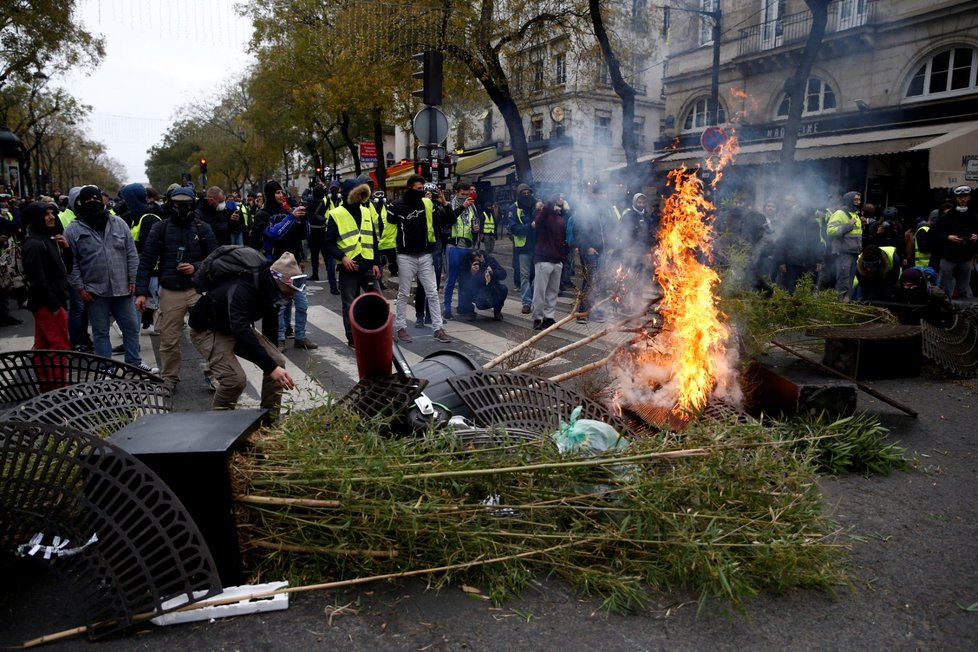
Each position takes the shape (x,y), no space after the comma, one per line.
(689,361)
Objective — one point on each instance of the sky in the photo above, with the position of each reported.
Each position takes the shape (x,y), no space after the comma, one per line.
(159,55)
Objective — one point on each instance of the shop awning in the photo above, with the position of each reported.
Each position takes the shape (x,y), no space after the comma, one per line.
(397,175)
(865,143)
(549,166)
(468,161)
(949,156)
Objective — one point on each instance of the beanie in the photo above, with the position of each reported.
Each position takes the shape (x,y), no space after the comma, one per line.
(365,178)
(72,196)
(523,186)
(86,193)
(183,192)
(285,268)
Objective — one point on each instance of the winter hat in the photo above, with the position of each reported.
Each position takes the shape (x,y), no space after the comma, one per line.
(334,184)
(365,178)
(87,193)
(183,192)
(269,191)
(134,194)
(285,268)
(72,196)
(523,186)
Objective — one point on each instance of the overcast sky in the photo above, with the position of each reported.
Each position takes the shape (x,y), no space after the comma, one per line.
(159,55)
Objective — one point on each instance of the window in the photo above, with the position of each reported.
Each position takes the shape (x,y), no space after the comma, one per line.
(706,23)
(852,13)
(536,127)
(819,98)
(561,128)
(536,68)
(698,117)
(560,68)
(638,128)
(604,76)
(602,127)
(487,126)
(640,10)
(951,72)
(772,24)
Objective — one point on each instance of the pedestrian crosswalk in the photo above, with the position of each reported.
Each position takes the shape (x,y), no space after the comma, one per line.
(330,371)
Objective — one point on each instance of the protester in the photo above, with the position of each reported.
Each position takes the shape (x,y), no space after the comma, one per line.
(955,236)
(222,330)
(845,233)
(550,231)
(481,287)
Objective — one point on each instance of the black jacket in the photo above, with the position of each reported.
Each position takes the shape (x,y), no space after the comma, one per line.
(218,221)
(962,224)
(162,250)
(412,232)
(46,268)
(233,307)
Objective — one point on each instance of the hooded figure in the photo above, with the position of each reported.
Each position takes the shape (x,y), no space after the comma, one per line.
(142,214)
(47,261)
(263,217)
(88,210)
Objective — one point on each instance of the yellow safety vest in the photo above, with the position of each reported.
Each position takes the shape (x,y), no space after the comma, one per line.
(67,216)
(488,223)
(920,258)
(245,215)
(138,226)
(519,240)
(888,254)
(354,239)
(388,237)
(461,228)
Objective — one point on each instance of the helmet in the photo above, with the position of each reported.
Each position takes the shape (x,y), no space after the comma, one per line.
(431,187)
(962,190)
(890,212)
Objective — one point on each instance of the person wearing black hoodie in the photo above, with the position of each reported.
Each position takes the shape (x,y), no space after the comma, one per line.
(317,230)
(47,261)
(143,214)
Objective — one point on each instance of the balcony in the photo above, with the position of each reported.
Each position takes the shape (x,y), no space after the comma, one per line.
(793,29)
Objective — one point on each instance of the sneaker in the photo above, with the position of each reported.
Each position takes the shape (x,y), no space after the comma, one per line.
(334,290)
(427,320)
(419,323)
(349,343)
(537,324)
(526,309)
(582,320)
(289,332)
(210,384)
(83,348)
(118,349)
(547,323)
(404,336)
(145,367)
(448,316)
(149,330)
(497,315)
(305,343)
(170,386)
(281,345)
(442,336)
(314,277)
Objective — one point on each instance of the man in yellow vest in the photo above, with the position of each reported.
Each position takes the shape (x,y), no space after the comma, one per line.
(351,239)
(521,227)
(489,228)
(845,234)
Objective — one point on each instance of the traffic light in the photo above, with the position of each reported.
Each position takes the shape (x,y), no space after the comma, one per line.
(319,172)
(430,76)
(203,166)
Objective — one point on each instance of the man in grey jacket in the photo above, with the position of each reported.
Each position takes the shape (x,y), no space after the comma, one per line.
(104,273)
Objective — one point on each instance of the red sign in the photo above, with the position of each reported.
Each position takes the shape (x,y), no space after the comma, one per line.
(368,153)
(713,139)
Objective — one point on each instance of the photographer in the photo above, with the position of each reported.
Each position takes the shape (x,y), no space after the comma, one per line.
(481,287)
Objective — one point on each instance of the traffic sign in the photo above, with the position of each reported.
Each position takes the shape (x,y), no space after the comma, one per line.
(430,125)
(713,139)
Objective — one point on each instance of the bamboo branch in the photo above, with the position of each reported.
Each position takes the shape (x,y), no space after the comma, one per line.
(536,338)
(275,500)
(580,371)
(566,349)
(316,550)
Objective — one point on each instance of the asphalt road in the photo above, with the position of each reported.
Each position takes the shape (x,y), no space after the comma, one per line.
(913,573)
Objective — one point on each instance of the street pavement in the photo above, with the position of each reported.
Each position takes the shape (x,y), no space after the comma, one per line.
(911,535)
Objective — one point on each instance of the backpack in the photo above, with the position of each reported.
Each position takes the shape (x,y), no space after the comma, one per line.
(227,262)
(11,269)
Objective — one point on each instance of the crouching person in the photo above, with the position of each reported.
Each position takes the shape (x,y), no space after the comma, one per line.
(222,331)
(481,286)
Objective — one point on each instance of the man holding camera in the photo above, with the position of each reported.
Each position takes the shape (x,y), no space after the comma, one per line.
(177,246)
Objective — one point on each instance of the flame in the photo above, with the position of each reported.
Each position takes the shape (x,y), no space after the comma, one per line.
(689,360)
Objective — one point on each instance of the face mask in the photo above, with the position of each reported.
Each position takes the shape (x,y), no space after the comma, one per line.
(181,211)
(412,196)
(961,209)
(90,209)
(222,207)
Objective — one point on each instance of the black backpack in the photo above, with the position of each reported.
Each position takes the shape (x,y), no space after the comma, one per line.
(227,262)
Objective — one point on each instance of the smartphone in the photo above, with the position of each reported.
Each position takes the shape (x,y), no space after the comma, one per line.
(472,195)
(180,251)
(299,282)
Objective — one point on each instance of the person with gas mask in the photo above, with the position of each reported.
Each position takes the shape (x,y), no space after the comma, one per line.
(330,201)
(212,210)
(176,247)
(104,273)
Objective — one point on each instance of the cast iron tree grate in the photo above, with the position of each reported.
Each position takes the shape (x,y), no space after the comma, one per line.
(26,374)
(517,400)
(953,349)
(99,408)
(385,397)
(133,543)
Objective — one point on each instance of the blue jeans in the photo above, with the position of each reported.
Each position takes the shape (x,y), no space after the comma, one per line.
(301,302)
(77,320)
(526,288)
(124,312)
(455,256)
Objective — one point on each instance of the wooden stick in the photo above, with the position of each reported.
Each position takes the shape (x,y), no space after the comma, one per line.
(533,340)
(561,351)
(275,500)
(316,550)
(580,371)
(861,385)
(311,587)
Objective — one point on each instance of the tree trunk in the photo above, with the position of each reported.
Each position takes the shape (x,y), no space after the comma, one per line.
(380,167)
(624,90)
(344,123)
(796,85)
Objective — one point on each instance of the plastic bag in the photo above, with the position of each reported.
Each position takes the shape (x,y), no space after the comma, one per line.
(586,435)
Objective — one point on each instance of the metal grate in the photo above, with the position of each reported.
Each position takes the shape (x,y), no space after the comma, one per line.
(99,408)
(26,374)
(515,400)
(388,397)
(954,349)
(136,546)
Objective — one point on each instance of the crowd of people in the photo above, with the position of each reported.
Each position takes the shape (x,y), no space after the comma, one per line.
(144,262)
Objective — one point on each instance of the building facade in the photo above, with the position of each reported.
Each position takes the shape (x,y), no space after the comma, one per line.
(891,105)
